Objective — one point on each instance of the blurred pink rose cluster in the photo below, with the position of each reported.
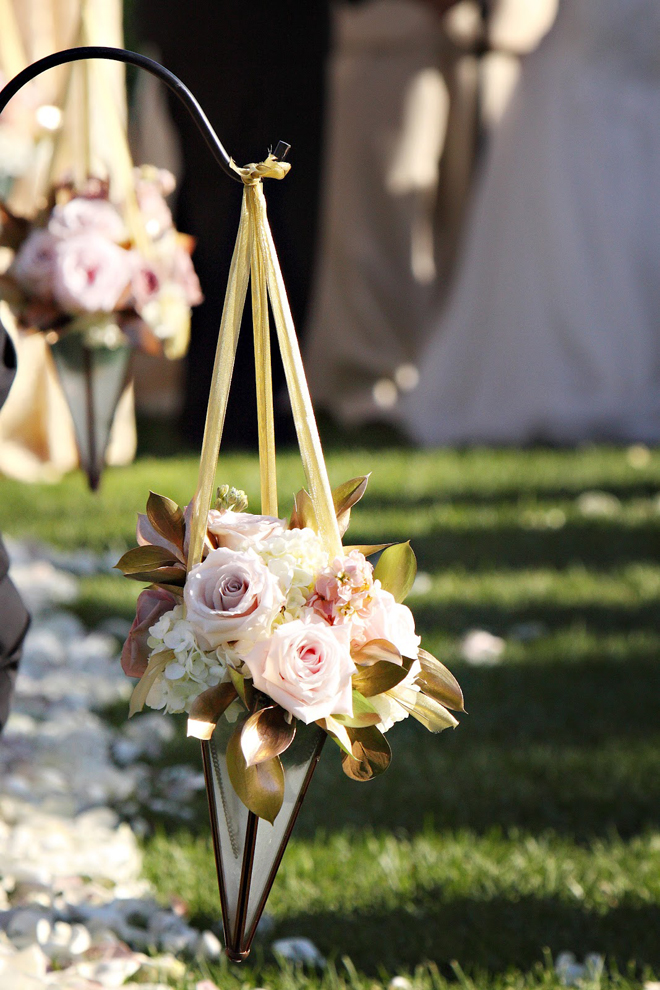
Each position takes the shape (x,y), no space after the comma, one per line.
(86,262)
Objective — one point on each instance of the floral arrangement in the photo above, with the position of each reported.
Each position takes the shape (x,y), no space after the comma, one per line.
(269,630)
(115,275)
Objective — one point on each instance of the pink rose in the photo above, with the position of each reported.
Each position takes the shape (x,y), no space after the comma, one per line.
(344,589)
(235,529)
(34,265)
(390,620)
(231,596)
(87,216)
(91,274)
(151,604)
(306,667)
(156,214)
(146,280)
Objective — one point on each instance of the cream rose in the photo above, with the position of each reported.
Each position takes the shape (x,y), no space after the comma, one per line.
(306,668)
(236,529)
(231,596)
(389,620)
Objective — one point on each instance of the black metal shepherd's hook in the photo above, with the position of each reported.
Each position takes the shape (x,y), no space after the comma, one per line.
(142,62)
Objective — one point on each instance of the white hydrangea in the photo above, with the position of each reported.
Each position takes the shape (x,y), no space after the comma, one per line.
(295,556)
(191,671)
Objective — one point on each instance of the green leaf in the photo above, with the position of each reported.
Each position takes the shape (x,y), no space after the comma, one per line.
(166,518)
(439,683)
(157,664)
(371,754)
(207,708)
(396,570)
(261,787)
(364,714)
(376,650)
(382,676)
(146,558)
(345,497)
(432,715)
(243,686)
(266,734)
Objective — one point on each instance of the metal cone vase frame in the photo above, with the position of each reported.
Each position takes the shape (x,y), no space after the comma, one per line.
(248,850)
(92,380)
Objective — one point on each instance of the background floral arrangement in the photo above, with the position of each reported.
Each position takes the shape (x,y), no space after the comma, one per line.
(269,629)
(116,275)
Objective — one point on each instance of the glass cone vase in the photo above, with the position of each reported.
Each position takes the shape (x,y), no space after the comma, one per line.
(92,379)
(248,850)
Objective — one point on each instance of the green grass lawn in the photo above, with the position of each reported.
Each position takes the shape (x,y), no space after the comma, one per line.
(533,828)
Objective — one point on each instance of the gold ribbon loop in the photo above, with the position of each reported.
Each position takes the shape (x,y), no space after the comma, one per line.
(255,257)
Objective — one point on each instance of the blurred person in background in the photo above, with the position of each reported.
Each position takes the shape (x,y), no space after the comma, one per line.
(14,619)
(410,96)
(258,71)
(552,330)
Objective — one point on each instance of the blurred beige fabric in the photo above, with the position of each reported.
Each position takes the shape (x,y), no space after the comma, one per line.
(37,441)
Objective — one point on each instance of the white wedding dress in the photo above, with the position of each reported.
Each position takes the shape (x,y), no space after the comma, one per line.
(552,330)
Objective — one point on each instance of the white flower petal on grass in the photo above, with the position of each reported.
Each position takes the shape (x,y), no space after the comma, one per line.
(481,648)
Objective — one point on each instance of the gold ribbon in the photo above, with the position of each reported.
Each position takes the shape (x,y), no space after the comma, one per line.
(255,257)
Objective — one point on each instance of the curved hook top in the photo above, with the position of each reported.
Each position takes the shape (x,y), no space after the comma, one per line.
(142,62)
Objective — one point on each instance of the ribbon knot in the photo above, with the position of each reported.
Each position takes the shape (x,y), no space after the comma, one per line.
(270,168)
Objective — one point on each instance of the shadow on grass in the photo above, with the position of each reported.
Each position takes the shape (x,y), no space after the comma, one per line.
(569,747)
(495,934)
(600,546)
(509,494)
(456,617)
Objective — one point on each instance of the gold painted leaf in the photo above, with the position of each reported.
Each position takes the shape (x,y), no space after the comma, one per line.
(266,734)
(439,683)
(156,665)
(166,517)
(303,514)
(368,548)
(382,676)
(376,650)
(432,715)
(396,570)
(145,558)
(261,787)
(174,589)
(160,575)
(345,497)
(207,708)
(371,754)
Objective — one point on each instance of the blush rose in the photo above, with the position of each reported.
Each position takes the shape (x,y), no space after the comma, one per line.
(306,667)
(231,597)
